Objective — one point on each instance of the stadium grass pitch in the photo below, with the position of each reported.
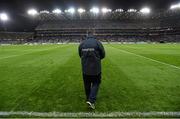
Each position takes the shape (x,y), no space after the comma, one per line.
(47,78)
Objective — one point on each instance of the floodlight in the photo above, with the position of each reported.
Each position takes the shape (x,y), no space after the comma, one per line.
(175,6)
(81,10)
(70,10)
(132,10)
(57,11)
(145,10)
(32,12)
(4,17)
(119,10)
(44,12)
(94,10)
(105,10)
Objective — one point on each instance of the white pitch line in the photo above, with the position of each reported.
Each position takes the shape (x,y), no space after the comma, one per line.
(28,53)
(10,56)
(90,114)
(170,65)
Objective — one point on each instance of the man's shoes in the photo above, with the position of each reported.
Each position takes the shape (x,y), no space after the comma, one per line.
(90,105)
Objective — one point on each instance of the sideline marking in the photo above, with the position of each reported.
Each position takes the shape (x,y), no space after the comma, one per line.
(84,114)
(173,66)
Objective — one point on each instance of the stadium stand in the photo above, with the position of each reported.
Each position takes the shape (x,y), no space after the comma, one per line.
(16,37)
(162,26)
(115,26)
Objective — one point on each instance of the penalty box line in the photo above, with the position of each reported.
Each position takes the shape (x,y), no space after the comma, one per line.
(90,114)
(170,65)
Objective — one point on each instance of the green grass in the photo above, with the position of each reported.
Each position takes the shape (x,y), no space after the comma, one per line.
(47,78)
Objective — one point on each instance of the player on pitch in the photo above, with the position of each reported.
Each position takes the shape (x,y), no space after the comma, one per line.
(91,52)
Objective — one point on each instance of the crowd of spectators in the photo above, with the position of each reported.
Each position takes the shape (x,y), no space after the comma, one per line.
(15,37)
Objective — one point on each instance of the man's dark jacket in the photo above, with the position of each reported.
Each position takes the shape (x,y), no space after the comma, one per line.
(91,52)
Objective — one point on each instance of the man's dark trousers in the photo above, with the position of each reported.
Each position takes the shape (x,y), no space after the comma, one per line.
(91,85)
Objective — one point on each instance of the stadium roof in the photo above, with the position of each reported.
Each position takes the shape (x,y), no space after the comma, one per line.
(17,9)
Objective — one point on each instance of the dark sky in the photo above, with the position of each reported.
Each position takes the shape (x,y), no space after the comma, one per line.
(16,9)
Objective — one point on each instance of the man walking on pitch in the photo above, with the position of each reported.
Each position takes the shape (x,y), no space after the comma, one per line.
(91,52)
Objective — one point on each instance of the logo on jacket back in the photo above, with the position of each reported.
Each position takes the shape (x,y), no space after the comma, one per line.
(88,49)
